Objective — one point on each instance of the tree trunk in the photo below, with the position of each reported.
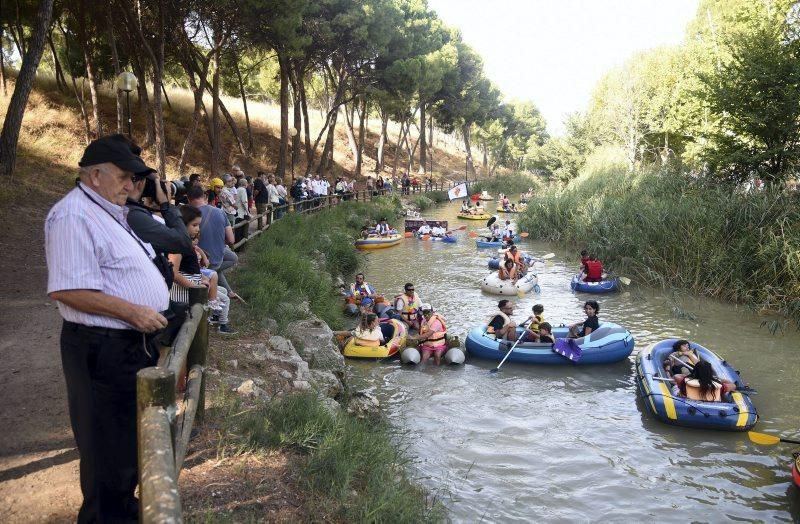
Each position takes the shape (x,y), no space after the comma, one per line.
(362,129)
(349,116)
(20,40)
(466,131)
(61,83)
(96,122)
(327,152)
(244,101)
(430,142)
(304,109)
(22,89)
(78,95)
(423,163)
(283,62)
(112,39)
(144,99)
(199,108)
(216,146)
(298,116)
(2,65)
(400,136)
(381,142)
(157,57)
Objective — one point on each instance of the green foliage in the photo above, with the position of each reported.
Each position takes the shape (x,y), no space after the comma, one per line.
(512,184)
(353,468)
(665,228)
(298,258)
(422,202)
(757,97)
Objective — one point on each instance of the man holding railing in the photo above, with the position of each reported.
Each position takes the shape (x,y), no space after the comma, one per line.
(110,291)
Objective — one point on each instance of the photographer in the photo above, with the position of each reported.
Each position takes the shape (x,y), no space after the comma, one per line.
(166,237)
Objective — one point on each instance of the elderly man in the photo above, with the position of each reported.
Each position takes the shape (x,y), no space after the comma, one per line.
(110,294)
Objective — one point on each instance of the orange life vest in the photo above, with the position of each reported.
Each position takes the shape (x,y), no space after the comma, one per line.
(439,337)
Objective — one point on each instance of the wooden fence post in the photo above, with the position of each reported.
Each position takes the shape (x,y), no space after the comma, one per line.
(155,397)
(198,351)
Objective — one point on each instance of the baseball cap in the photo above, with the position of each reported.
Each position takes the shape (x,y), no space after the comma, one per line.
(118,150)
(426,307)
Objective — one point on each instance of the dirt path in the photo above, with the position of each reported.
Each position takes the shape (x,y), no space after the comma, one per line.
(38,458)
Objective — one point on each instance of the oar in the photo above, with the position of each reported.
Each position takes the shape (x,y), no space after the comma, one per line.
(462,228)
(768,440)
(495,370)
(624,280)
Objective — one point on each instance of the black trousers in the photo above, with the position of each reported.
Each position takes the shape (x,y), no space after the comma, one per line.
(100,369)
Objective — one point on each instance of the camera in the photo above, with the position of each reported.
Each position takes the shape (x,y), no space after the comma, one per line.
(150,188)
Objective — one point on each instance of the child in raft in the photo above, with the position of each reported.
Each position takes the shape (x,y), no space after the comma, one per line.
(536,320)
(682,354)
(368,332)
(546,333)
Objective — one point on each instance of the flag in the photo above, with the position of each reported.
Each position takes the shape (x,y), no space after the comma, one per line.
(569,348)
(460,191)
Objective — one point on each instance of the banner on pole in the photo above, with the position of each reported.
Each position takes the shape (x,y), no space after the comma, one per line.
(460,191)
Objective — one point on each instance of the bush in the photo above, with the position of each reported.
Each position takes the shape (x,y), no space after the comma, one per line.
(421,201)
(512,184)
(670,229)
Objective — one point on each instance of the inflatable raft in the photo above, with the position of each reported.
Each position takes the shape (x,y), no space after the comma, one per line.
(796,470)
(394,332)
(610,343)
(446,239)
(512,211)
(469,216)
(376,242)
(494,262)
(604,286)
(736,413)
(492,284)
(498,244)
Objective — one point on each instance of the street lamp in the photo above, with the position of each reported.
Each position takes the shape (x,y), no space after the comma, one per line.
(127,82)
(292,134)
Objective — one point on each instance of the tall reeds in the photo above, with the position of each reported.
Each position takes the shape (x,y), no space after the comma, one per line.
(670,229)
(511,184)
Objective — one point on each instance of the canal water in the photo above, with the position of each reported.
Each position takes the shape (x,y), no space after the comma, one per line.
(574,443)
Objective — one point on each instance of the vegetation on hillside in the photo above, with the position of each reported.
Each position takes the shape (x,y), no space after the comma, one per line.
(511,184)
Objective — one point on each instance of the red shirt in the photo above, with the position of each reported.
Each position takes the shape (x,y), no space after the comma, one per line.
(594,270)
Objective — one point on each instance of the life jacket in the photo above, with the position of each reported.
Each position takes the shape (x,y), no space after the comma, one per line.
(693,391)
(356,292)
(439,337)
(506,321)
(534,325)
(515,257)
(594,270)
(409,310)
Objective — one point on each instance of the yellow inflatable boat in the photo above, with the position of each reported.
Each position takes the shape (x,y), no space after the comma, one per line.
(376,242)
(468,216)
(394,332)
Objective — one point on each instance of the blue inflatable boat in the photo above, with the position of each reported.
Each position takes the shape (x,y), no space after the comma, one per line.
(604,286)
(736,412)
(610,343)
(498,244)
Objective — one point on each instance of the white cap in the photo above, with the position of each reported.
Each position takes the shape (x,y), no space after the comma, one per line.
(426,307)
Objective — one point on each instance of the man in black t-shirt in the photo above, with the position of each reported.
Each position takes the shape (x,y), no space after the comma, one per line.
(260,196)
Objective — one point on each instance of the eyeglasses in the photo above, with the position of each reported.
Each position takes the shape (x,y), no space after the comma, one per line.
(410,289)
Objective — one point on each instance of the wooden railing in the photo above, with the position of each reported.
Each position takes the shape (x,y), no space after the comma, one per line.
(264,220)
(164,421)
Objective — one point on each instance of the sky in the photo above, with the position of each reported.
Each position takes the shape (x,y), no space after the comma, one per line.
(553,52)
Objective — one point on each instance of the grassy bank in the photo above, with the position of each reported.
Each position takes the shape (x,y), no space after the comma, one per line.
(300,256)
(511,184)
(670,230)
(349,469)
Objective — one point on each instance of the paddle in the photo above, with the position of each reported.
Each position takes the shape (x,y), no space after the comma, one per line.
(495,370)
(491,221)
(472,234)
(768,440)
(425,237)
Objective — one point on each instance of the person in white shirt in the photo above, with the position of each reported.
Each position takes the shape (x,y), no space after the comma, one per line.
(438,231)
(424,229)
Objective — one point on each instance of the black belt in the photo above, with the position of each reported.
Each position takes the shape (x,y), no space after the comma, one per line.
(103,331)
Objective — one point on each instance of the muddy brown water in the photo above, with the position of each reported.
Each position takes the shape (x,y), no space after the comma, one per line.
(574,443)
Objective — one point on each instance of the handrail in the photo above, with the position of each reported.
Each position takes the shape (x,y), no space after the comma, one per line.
(267,218)
(164,422)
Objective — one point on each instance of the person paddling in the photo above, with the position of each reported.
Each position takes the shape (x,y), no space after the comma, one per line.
(593,269)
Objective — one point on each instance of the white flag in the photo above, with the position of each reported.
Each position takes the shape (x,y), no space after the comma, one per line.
(460,191)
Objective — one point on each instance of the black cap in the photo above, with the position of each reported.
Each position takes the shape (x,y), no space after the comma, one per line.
(118,150)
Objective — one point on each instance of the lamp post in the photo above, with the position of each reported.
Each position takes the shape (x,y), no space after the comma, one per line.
(292,134)
(127,82)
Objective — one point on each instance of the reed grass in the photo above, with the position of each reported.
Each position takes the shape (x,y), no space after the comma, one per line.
(510,184)
(352,469)
(299,257)
(670,229)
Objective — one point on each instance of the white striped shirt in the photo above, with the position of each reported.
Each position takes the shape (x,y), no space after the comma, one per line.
(87,249)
